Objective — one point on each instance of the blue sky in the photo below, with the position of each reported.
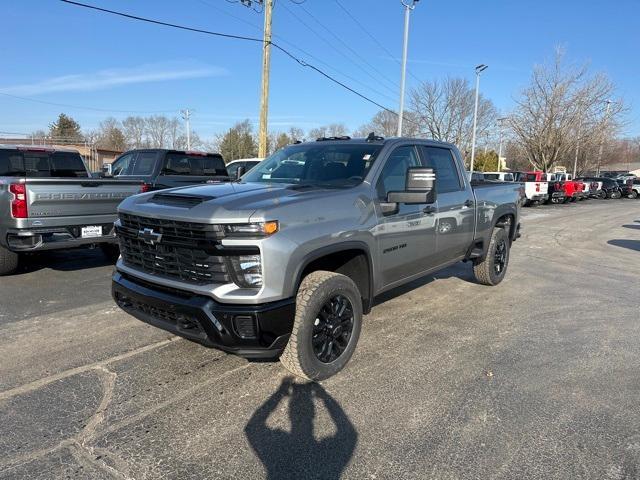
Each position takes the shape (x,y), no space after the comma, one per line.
(54,52)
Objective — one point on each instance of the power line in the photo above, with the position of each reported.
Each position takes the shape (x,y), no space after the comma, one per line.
(237,37)
(337,50)
(28,99)
(351,49)
(295,47)
(372,37)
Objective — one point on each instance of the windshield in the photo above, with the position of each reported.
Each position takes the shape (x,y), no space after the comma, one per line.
(317,164)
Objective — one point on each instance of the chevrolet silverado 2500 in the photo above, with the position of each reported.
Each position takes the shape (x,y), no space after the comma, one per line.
(285,261)
(48,200)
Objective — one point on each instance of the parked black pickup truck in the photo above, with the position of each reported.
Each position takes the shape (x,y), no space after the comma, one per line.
(161,168)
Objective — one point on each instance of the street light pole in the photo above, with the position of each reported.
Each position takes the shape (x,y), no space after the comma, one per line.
(479,69)
(186,115)
(408,6)
(501,127)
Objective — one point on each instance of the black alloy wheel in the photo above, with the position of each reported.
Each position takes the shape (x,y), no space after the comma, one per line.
(500,256)
(332,328)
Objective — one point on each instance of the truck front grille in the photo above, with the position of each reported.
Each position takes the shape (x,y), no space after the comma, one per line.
(183,251)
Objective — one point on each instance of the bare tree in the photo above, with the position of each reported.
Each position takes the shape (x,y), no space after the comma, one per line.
(331,130)
(134,132)
(564,108)
(158,130)
(110,135)
(444,111)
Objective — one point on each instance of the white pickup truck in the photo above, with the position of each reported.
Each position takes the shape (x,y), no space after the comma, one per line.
(536,186)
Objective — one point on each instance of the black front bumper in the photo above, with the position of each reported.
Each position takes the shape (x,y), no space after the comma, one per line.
(251,331)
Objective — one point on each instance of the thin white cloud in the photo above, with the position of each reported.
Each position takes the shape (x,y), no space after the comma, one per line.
(116,77)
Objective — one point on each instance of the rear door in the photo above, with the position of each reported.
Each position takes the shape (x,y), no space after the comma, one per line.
(406,238)
(184,168)
(456,213)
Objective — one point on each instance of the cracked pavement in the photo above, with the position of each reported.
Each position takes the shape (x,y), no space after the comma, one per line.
(536,378)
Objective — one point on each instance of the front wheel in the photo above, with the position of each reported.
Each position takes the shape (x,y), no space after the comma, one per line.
(492,269)
(633,194)
(326,326)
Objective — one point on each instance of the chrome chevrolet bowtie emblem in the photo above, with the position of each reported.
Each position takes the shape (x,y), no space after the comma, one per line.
(148,236)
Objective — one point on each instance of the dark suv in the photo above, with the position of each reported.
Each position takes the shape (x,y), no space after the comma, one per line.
(160,168)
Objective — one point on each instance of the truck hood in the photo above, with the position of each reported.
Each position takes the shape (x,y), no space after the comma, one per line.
(219,203)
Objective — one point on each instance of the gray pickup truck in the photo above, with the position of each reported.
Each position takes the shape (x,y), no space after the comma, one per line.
(48,200)
(285,261)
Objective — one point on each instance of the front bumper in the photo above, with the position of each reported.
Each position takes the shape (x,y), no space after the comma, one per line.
(50,238)
(251,331)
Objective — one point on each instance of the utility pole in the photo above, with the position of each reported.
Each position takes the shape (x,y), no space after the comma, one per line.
(266,65)
(479,69)
(606,121)
(186,115)
(408,6)
(501,128)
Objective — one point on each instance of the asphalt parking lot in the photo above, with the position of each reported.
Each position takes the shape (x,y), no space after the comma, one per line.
(536,378)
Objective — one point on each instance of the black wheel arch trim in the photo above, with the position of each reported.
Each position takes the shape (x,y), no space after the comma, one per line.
(337,248)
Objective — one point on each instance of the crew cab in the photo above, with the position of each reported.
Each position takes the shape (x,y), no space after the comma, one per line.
(160,168)
(285,262)
(48,200)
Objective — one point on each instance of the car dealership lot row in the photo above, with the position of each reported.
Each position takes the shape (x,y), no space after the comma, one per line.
(536,378)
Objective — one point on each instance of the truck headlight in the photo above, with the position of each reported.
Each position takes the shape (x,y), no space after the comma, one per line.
(261,229)
(247,271)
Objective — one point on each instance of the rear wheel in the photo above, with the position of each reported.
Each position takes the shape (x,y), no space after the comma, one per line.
(492,269)
(8,261)
(602,195)
(326,326)
(633,194)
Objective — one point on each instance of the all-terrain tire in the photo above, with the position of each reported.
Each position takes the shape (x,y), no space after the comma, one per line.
(485,270)
(8,261)
(315,290)
(111,251)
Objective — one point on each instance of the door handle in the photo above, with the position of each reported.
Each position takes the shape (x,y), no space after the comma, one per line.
(468,203)
(429,209)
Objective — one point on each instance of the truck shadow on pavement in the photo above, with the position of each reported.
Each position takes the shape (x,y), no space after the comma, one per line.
(460,270)
(63,260)
(632,227)
(297,453)
(630,244)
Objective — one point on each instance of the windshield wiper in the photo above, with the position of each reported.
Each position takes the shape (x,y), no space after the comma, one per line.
(302,186)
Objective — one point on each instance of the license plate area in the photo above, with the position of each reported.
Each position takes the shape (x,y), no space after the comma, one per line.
(91,231)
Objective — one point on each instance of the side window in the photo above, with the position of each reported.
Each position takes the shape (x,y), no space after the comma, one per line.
(232,169)
(394,173)
(144,163)
(443,163)
(123,165)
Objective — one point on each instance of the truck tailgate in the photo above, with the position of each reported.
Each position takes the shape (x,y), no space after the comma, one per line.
(56,197)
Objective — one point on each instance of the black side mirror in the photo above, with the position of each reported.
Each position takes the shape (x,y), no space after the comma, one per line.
(241,170)
(420,189)
(107,170)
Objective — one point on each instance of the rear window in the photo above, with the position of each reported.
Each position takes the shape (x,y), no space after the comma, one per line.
(530,177)
(198,165)
(11,164)
(30,164)
(491,176)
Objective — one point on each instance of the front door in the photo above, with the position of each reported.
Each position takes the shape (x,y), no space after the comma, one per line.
(406,238)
